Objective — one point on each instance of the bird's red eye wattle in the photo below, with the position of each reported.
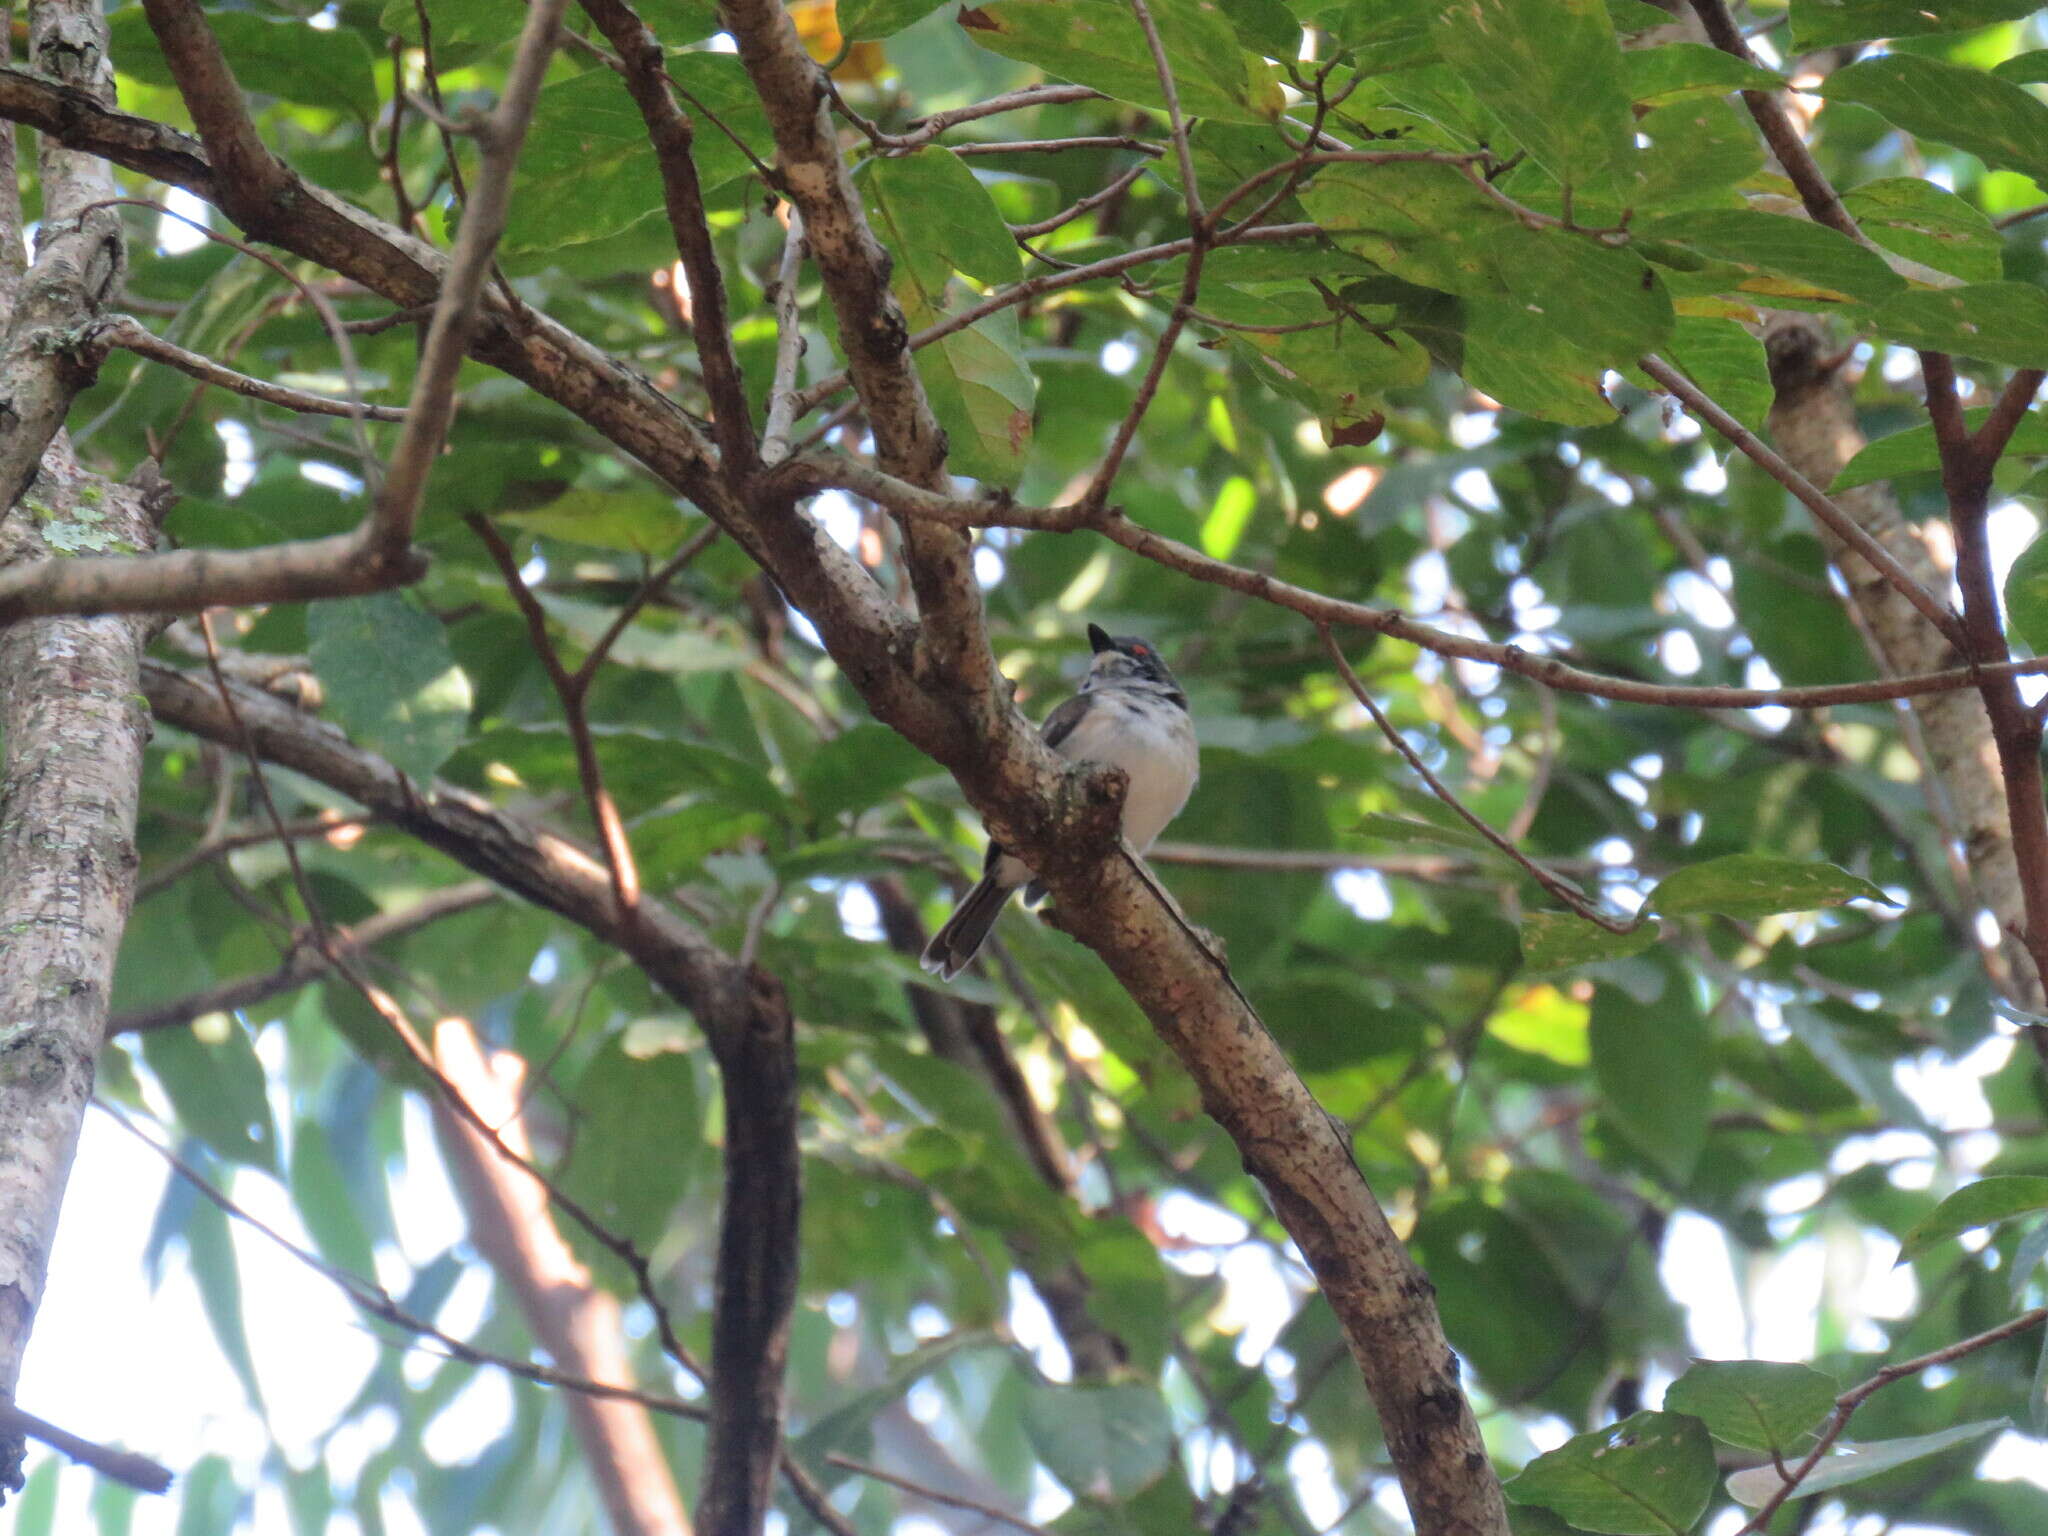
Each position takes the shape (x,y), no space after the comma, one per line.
(1141,650)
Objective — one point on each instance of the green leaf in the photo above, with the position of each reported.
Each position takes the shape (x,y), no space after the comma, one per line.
(2027,1255)
(35,1506)
(1859,1460)
(1998,122)
(860,20)
(216,1085)
(1654,1064)
(640,1131)
(1760,1405)
(936,216)
(1824,23)
(1697,150)
(1551,72)
(313,66)
(1102,1442)
(1421,221)
(1558,941)
(1914,452)
(1759,885)
(1998,322)
(1527,364)
(586,172)
(982,392)
(858,768)
(1727,361)
(326,1204)
(1098,43)
(1656,76)
(391,681)
(2030,68)
(210,1248)
(207,1498)
(1607,301)
(1985,1203)
(1774,258)
(1930,225)
(1649,1475)
(636,522)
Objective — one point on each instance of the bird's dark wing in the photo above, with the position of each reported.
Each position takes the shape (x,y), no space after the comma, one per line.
(1061,722)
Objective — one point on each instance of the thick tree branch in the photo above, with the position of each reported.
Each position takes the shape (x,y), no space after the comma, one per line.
(952,641)
(2016,730)
(756,1275)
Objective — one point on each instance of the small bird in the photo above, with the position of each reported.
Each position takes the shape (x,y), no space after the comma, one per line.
(1129,714)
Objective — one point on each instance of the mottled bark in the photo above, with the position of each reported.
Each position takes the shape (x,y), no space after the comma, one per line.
(1813,423)
(73,720)
(579,1325)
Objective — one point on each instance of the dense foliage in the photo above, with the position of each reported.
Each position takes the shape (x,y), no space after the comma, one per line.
(1425,393)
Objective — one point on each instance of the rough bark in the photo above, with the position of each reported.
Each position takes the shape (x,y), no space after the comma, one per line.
(1813,423)
(579,1325)
(73,722)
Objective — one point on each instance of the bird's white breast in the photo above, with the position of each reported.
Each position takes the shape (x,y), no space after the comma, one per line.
(1153,742)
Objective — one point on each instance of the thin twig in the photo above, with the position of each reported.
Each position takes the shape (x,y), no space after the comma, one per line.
(819,471)
(306,962)
(1556,885)
(1816,500)
(499,137)
(789,344)
(571,690)
(937,1495)
(1847,1404)
(132,335)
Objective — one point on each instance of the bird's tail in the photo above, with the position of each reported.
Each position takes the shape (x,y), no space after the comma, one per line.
(956,943)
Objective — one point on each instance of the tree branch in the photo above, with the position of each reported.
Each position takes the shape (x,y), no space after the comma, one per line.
(951,639)
(1817,501)
(669,131)
(132,335)
(755,1281)
(71,738)
(1847,1404)
(127,1467)
(818,471)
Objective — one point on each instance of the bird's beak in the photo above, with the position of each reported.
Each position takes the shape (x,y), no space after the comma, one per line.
(1098,639)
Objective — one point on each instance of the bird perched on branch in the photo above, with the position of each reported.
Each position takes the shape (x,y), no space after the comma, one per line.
(1130,714)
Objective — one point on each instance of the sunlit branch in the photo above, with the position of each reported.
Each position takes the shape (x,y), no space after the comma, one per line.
(1815,499)
(822,470)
